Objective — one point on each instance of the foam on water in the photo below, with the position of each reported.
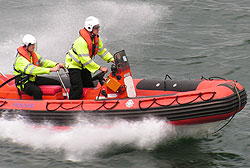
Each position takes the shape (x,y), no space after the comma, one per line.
(86,138)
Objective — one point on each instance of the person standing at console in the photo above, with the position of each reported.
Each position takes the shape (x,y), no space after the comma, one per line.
(79,59)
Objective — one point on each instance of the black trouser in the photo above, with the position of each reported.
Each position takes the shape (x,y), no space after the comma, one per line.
(79,79)
(32,88)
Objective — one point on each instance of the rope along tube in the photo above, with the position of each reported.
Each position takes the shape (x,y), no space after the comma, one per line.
(4,102)
(154,101)
(238,95)
(107,108)
(61,105)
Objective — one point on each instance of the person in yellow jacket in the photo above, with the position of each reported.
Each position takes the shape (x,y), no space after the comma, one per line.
(79,59)
(29,64)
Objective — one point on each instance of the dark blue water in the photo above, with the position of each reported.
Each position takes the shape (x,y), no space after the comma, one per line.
(186,39)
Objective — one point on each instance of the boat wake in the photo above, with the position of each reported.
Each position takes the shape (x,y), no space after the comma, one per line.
(85,137)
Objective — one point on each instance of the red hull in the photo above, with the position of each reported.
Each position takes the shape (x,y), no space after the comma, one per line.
(178,102)
(211,101)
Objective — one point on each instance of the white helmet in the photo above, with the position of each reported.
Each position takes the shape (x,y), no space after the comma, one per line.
(28,39)
(90,22)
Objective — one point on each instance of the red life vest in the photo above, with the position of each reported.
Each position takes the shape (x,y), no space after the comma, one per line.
(23,52)
(86,35)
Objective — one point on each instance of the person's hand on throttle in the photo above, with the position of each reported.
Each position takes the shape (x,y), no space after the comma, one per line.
(103,69)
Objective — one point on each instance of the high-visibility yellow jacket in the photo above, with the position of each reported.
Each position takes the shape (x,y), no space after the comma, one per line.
(80,57)
(22,65)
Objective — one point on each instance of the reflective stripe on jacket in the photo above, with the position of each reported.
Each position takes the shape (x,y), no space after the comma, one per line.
(79,55)
(24,64)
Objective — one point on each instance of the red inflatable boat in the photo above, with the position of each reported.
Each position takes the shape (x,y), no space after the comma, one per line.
(186,102)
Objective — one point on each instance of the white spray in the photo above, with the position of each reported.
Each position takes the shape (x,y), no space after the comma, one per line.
(86,138)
